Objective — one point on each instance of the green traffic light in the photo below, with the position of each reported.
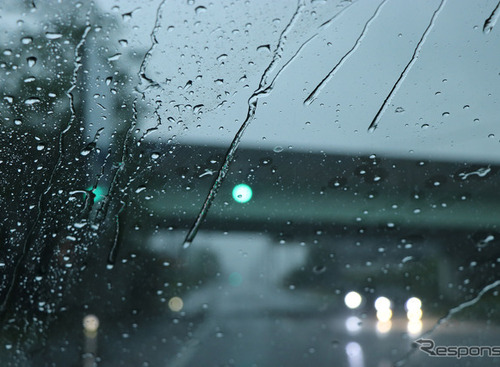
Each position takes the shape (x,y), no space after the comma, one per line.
(235,279)
(98,192)
(242,193)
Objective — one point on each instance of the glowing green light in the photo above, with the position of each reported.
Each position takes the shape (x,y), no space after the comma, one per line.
(235,279)
(242,193)
(98,192)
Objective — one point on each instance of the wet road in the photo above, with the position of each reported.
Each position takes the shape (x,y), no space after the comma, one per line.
(246,328)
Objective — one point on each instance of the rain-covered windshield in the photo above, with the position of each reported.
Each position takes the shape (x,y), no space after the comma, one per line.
(249,183)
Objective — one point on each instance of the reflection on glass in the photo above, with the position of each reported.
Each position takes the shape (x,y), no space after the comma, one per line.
(90,327)
(384,314)
(414,327)
(414,315)
(384,327)
(353,324)
(354,354)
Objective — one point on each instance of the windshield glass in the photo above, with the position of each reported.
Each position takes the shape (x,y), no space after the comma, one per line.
(237,183)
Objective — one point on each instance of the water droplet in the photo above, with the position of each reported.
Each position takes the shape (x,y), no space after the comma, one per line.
(200,9)
(30,79)
(139,189)
(466,107)
(319,269)
(17,122)
(40,146)
(476,120)
(31,61)
(9,99)
(52,35)
(425,126)
(186,244)
(123,42)
(221,58)
(406,259)
(266,48)
(491,136)
(197,108)
(399,110)
(114,57)
(26,40)
(32,101)
(278,149)
(109,80)
(445,114)
(155,155)
(127,16)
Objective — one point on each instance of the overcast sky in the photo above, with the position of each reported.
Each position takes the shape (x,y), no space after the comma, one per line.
(448,97)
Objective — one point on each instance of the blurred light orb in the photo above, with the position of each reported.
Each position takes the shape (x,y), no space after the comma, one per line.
(413,303)
(414,327)
(242,193)
(353,349)
(235,279)
(382,303)
(353,324)
(414,315)
(91,323)
(98,192)
(175,304)
(353,300)
(384,327)
(384,314)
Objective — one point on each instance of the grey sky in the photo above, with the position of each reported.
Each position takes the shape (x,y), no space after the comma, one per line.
(457,66)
